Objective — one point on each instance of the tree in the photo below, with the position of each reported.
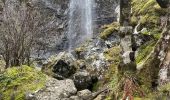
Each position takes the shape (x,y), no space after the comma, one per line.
(19,32)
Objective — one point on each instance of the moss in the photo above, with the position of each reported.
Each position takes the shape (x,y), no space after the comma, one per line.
(144,6)
(164,88)
(149,12)
(133,20)
(149,73)
(144,51)
(113,54)
(109,29)
(17,81)
(80,49)
(47,68)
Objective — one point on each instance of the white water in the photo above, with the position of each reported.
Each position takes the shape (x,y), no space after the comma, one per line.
(80,22)
(117,10)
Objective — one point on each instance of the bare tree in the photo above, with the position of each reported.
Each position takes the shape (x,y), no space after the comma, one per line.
(18,32)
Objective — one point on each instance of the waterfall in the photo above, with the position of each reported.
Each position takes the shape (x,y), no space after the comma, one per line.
(80,22)
(117,10)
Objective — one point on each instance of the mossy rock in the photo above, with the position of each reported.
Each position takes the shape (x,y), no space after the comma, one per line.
(113,54)
(144,51)
(16,82)
(109,29)
(148,11)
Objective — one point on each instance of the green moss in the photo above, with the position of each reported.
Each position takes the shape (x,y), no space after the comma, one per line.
(148,11)
(80,49)
(144,6)
(113,54)
(109,29)
(17,81)
(164,88)
(133,20)
(144,51)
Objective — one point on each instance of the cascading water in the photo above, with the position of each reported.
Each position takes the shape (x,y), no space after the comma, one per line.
(80,22)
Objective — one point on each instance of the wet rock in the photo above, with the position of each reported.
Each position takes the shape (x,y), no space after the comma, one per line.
(83,80)
(126,57)
(126,43)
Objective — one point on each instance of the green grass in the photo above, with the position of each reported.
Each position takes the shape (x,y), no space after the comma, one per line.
(17,81)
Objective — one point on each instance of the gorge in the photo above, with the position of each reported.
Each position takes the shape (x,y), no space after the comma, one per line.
(84,50)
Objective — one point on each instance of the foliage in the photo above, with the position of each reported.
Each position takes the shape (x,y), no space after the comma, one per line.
(17,81)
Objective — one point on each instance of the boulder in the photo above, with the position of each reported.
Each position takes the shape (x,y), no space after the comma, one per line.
(83,80)
(63,69)
(56,90)
(60,66)
(85,94)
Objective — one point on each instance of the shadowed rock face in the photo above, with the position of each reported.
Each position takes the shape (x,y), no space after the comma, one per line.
(163,3)
(64,69)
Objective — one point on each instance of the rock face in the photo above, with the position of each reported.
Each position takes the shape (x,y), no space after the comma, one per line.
(57,12)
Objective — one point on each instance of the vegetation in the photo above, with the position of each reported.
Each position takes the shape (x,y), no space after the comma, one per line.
(16,82)
(109,29)
(149,13)
(145,50)
(21,32)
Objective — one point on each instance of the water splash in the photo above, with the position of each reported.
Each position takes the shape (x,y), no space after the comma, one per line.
(80,22)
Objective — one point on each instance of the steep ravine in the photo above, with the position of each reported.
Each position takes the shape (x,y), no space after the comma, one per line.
(127,58)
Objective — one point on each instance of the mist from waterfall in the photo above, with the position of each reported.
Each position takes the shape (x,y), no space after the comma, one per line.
(80,26)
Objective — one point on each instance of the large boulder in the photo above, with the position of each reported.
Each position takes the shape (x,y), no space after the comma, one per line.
(56,90)
(60,66)
(63,69)
(83,80)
